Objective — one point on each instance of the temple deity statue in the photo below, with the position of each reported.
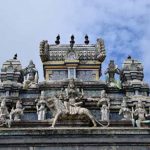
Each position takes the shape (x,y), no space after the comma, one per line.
(69,103)
(4,114)
(73,98)
(126,112)
(16,113)
(104,102)
(110,72)
(105,112)
(140,113)
(41,107)
(31,76)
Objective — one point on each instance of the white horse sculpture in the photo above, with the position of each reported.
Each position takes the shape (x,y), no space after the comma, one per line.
(60,109)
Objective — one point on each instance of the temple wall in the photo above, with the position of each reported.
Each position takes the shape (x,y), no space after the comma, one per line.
(75,139)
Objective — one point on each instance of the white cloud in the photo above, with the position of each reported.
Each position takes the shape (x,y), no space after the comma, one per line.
(124,25)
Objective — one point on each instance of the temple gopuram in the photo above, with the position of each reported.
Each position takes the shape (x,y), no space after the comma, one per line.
(73,108)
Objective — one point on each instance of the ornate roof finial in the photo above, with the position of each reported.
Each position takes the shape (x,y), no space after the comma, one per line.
(86,39)
(72,41)
(15,56)
(129,57)
(57,39)
(100,47)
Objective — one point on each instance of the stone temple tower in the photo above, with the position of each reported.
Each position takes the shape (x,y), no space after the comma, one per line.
(73,108)
(65,61)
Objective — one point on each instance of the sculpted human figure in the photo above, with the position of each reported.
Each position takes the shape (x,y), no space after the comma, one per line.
(140,112)
(16,114)
(105,112)
(69,104)
(41,107)
(126,112)
(104,102)
(111,71)
(60,110)
(4,114)
(31,76)
(73,98)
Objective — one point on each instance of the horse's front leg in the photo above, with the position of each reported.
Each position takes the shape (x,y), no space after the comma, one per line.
(88,113)
(55,119)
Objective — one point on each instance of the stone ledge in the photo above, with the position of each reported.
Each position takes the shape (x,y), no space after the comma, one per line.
(76,131)
(77,122)
(74,136)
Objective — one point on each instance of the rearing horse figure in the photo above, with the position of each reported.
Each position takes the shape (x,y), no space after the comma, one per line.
(61,110)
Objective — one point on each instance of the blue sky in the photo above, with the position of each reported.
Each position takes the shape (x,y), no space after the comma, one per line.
(123,24)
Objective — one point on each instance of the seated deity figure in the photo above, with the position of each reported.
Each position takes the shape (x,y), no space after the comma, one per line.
(140,112)
(126,112)
(4,114)
(110,72)
(31,76)
(16,114)
(41,107)
(73,98)
(69,104)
